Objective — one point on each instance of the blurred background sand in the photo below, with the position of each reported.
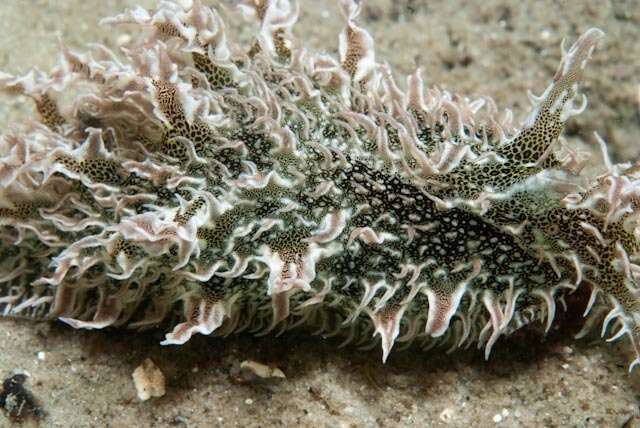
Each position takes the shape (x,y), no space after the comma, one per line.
(472,47)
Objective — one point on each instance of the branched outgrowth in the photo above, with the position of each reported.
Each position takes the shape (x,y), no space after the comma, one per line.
(264,188)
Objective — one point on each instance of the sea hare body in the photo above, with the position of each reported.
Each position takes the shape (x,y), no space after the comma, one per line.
(265,188)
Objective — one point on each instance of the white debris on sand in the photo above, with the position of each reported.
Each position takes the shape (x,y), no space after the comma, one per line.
(252,371)
(148,380)
(446,415)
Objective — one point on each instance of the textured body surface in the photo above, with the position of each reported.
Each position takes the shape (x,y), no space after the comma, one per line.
(429,209)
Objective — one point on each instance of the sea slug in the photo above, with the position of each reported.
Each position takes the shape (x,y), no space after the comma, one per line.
(188,181)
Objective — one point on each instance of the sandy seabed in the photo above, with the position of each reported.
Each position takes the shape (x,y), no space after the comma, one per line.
(83,378)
